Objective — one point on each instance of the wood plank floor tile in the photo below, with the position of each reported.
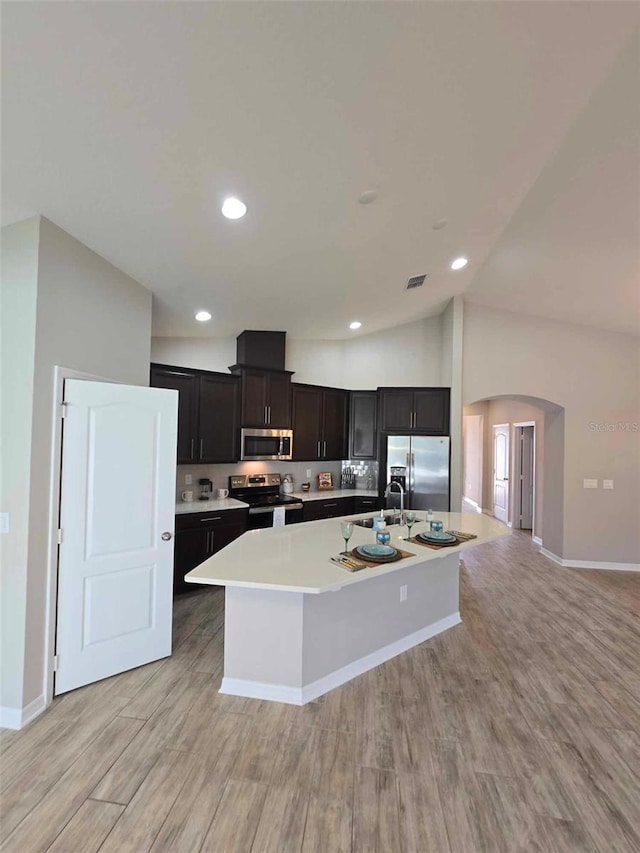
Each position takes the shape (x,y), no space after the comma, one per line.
(376,827)
(40,827)
(228,832)
(330,813)
(88,828)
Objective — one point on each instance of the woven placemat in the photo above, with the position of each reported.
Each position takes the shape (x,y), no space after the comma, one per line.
(361,563)
(460,538)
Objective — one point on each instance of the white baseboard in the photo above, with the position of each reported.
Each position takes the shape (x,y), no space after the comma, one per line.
(536,540)
(590,564)
(302,695)
(473,504)
(17,718)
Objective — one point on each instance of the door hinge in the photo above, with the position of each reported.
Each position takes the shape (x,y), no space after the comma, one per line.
(59,536)
(63,409)
(56,662)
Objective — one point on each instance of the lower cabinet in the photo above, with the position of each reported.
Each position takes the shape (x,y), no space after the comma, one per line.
(367,504)
(198,536)
(330,508)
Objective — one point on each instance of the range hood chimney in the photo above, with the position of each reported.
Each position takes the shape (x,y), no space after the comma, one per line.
(265,350)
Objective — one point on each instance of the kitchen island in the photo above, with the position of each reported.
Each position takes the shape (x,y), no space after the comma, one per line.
(298,625)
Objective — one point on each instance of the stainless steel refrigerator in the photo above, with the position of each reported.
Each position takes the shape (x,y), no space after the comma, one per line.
(425,460)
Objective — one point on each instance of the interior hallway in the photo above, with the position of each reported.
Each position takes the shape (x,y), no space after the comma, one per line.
(517,730)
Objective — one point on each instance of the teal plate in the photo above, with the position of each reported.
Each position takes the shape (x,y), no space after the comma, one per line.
(437,537)
(377,550)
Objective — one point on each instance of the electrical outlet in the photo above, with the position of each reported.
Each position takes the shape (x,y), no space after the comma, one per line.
(5,522)
(607,484)
(589,484)
(188,480)
(403,592)
(308,473)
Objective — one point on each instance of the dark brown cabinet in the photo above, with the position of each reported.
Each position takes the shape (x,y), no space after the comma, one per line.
(208,412)
(198,536)
(363,504)
(319,422)
(266,397)
(186,383)
(329,508)
(363,425)
(424,411)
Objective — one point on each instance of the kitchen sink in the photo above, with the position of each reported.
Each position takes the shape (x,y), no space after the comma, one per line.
(368,522)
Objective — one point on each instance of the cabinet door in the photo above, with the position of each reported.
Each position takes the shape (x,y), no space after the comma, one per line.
(191,549)
(396,410)
(218,419)
(334,424)
(186,384)
(431,407)
(279,401)
(254,398)
(363,425)
(307,422)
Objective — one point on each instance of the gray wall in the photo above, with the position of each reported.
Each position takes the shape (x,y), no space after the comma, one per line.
(93,318)
(594,376)
(18,319)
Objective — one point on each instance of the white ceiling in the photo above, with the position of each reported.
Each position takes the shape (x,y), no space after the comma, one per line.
(128,123)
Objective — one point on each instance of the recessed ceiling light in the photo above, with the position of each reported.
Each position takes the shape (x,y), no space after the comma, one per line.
(459,263)
(203,316)
(368,196)
(233,208)
(355,325)
(440,224)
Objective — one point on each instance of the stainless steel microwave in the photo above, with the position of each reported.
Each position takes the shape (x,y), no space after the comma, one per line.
(266,444)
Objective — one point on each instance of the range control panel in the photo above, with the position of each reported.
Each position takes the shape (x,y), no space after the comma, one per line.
(247,481)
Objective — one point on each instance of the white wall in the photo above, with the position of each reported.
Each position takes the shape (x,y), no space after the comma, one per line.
(93,318)
(406,355)
(451,376)
(592,375)
(473,445)
(18,325)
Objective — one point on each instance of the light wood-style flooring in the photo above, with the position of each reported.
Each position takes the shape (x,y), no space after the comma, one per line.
(518,730)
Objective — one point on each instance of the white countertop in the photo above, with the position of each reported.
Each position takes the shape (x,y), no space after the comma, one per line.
(209,506)
(296,558)
(327,494)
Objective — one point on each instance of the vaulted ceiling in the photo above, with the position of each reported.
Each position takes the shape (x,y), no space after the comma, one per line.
(127,124)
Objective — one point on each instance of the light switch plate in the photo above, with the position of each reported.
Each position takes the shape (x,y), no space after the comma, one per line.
(5,522)
(308,473)
(188,479)
(607,484)
(589,484)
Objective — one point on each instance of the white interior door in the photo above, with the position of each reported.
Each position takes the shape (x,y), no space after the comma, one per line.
(115,567)
(501,472)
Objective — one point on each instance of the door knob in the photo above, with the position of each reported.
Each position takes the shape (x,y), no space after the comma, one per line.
(166,536)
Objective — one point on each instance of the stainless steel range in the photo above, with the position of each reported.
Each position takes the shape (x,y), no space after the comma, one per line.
(262,493)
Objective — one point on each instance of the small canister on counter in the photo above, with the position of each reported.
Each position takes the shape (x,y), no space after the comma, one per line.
(436,526)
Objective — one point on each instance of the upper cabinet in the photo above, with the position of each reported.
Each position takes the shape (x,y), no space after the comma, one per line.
(208,412)
(319,422)
(363,425)
(266,397)
(414,410)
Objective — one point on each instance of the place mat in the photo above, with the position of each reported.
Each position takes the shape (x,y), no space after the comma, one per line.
(460,538)
(357,562)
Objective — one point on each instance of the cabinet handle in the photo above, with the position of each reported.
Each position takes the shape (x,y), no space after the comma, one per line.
(264,416)
(326,506)
(411,420)
(193,449)
(207,520)
(269,414)
(324,448)
(201,447)
(318,450)
(211,534)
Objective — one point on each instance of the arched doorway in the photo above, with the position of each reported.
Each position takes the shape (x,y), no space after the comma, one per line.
(513,464)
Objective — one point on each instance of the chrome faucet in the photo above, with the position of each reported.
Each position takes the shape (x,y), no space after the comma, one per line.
(389,488)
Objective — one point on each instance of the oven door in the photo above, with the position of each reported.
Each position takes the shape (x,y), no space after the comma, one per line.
(266,444)
(262,517)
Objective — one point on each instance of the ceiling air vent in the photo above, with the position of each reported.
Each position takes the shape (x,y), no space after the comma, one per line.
(415,281)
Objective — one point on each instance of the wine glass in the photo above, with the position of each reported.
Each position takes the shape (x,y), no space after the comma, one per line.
(383,536)
(410,519)
(347,530)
